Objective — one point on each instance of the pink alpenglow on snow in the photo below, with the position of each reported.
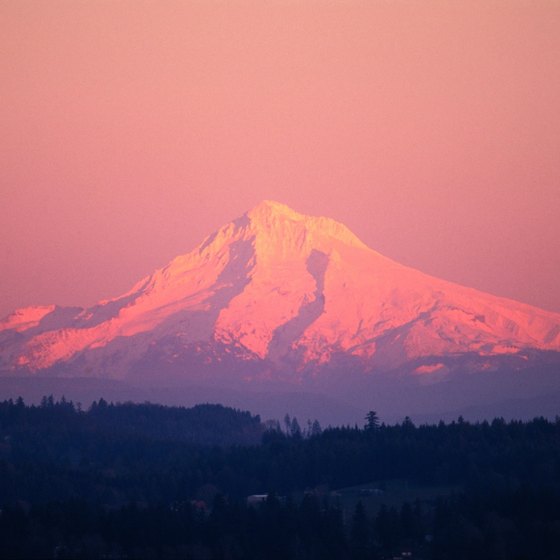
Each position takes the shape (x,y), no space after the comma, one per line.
(284,292)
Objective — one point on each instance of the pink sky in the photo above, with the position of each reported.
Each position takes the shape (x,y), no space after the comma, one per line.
(130,130)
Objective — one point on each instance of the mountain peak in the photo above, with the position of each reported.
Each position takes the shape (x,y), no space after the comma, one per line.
(272,216)
(274,208)
(278,289)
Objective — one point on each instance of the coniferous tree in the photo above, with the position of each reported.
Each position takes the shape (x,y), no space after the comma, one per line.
(372,420)
(359,533)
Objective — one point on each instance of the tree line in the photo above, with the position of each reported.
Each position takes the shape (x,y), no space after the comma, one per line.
(134,481)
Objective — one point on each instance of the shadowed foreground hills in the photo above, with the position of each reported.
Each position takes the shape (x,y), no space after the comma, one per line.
(145,481)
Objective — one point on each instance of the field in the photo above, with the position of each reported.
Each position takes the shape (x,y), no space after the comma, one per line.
(392,493)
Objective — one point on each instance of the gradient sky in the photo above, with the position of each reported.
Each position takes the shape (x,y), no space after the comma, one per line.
(130,130)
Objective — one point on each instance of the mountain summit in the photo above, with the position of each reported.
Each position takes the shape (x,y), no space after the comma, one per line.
(277,295)
(278,286)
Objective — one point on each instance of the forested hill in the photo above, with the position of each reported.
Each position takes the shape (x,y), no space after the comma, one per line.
(145,481)
(157,453)
(204,424)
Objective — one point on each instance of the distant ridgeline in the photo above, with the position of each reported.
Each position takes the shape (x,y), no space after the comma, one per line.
(144,481)
(204,424)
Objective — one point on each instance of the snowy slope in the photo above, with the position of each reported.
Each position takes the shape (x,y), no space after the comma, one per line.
(276,291)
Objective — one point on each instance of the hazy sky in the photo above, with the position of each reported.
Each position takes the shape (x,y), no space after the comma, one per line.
(130,130)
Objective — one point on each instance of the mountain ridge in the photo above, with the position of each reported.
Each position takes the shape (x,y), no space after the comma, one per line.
(283,292)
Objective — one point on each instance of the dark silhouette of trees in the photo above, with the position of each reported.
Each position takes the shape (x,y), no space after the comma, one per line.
(139,481)
(360,534)
(372,420)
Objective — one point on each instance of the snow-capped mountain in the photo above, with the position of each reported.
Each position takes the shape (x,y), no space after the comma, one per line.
(277,294)
(276,302)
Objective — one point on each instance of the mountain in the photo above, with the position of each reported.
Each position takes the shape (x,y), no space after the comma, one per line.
(276,301)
